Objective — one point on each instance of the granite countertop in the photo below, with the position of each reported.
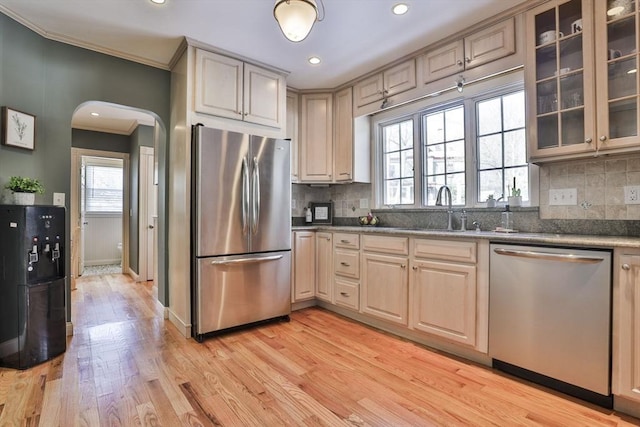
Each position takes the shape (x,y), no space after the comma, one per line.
(540,238)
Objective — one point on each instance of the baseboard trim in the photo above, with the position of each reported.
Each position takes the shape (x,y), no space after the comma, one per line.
(303,304)
(133,275)
(166,312)
(627,406)
(183,328)
(69,329)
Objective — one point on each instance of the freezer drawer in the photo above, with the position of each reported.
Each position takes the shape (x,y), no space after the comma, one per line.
(237,290)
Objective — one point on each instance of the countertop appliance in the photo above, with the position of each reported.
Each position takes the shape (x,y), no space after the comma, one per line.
(241,193)
(32,291)
(550,317)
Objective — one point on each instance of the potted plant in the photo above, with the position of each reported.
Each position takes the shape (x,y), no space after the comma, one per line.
(24,189)
(515,199)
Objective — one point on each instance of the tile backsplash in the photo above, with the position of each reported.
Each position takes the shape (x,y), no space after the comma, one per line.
(349,200)
(599,184)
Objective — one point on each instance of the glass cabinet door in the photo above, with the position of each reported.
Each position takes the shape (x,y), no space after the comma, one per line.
(563,104)
(616,62)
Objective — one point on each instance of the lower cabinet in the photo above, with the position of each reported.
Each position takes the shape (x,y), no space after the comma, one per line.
(303,266)
(626,327)
(443,300)
(324,266)
(385,287)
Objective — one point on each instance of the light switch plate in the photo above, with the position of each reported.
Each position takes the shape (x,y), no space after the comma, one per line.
(58,199)
(563,197)
(632,194)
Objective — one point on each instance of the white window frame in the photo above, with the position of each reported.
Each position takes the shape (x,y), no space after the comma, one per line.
(479,91)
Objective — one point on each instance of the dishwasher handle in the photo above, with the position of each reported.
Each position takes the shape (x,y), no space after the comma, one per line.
(549,256)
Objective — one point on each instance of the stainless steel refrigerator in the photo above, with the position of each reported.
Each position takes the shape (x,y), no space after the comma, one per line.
(241,193)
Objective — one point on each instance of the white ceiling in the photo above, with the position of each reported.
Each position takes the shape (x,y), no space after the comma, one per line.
(355,36)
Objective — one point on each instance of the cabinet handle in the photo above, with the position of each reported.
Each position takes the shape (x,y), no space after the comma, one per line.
(588,140)
(346,264)
(344,241)
(603,138)
(626,267)
(344,294)
(345,173)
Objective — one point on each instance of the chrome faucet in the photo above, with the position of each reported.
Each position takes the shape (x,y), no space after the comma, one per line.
(447,192)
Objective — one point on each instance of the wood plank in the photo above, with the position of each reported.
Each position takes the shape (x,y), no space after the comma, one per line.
(126,366)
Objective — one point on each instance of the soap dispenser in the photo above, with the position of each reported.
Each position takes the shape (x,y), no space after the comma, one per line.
(506,221)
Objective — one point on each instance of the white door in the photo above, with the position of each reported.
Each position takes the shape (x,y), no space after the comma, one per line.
(82,221)
(146,214)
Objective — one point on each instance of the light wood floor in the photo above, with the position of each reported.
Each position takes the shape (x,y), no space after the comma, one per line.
(126,366)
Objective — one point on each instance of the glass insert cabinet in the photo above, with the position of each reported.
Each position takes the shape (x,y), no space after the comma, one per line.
(581,77)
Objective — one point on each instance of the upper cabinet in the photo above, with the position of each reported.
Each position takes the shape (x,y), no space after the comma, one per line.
(392,81)
(582,78)
(481,47)
(316,137)
(227,87)
(352,152)
(292,133)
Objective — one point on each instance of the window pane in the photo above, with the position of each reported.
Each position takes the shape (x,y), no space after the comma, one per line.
(490,152)
(406,135)
(398,163)
(391,135)
(456,184)
(103,188)
(433,184)
(455,156)
(515,148)
(434,124)
(392,193)
(454,124)
(489,116)
(392,165)
(489,183)
(514,110)
(435,160)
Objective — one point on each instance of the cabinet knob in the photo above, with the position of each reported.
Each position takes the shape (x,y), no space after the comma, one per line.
(603,138)
(588,140)
(467,60)
(460,63)
(626,267)
(403,266)
(415,268)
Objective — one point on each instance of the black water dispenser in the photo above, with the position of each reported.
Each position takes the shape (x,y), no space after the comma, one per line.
(32,284)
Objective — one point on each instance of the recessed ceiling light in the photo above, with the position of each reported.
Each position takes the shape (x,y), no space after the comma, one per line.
(400,9)
(632,71)
(158,1)
(94,114)
(314,60)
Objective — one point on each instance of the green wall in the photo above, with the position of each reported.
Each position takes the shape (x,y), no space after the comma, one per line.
(49,80)
(92,140)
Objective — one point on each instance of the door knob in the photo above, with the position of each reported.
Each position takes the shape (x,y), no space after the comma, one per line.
(151,226)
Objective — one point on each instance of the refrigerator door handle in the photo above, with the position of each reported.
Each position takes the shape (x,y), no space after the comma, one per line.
(247,260)
(245,195)
(256,195)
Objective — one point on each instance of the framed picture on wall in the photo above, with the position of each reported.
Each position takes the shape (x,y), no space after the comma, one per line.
(18,129)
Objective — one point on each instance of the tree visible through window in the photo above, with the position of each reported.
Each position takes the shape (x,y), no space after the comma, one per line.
(398,163)
(103,188)
(502,151)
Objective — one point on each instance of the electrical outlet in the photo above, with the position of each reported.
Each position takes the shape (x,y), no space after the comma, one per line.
(632,194)
(58,199)
(563,197)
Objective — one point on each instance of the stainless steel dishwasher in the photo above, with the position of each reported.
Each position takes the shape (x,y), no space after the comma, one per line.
(550,317)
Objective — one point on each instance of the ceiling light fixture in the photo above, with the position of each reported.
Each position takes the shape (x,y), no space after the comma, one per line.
(296,17)
(314,60)
(158,1)
(400,9)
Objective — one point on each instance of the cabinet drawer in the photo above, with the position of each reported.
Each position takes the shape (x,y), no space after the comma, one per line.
(385,244)
(347,263)
(346,240)
(447,250)
(347,294)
